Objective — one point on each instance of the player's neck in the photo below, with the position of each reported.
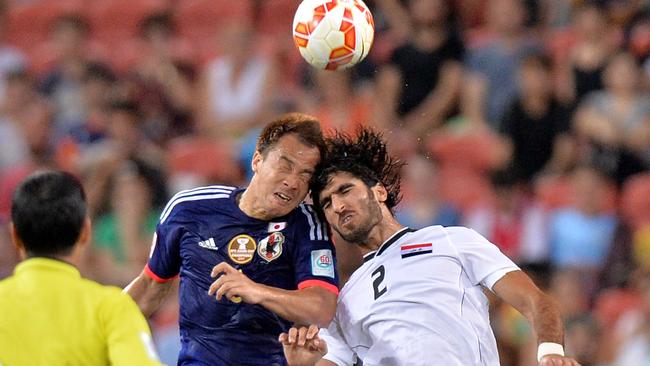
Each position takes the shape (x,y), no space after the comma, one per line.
(380,233)
(248,204)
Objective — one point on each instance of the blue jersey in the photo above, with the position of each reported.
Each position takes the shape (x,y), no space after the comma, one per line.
(203,227)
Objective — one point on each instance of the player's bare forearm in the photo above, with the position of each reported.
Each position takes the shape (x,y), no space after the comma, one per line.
(313,305)
(517,289)
(147,293)
(547,320)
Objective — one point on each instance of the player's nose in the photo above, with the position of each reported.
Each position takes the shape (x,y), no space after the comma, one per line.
(291,181)
(337,204)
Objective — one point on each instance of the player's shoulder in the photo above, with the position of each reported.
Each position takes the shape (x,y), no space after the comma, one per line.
(191,201)
(306,218)
(454,234)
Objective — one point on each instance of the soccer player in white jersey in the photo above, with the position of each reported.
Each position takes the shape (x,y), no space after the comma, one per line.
(418,298)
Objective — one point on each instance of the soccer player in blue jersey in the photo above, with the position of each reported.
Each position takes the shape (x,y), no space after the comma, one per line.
(269,255)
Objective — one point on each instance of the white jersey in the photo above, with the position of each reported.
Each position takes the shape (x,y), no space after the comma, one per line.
(418,300)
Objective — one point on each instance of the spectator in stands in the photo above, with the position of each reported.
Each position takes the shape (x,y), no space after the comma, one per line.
(125,143)
(491,84)
(582,52)
(580,235)
(632,336)
(11,59)
(13,142)
(63,84)
(236,90)
(422,205)
(97,88)
(123,229)
(512,221)
(163,84)
(536,126)
(337,101)
(420,85)
(614,124)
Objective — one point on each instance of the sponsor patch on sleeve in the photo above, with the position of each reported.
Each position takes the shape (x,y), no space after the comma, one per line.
(322,263)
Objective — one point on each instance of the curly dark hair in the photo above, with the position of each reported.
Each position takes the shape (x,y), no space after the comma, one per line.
(366,157)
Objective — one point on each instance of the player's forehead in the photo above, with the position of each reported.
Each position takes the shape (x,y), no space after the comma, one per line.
(291,149)
(338,180)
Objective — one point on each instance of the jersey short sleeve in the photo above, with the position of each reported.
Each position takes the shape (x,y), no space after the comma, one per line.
(165,260)
(337,350)
(314,256)
(127,333)
(483,262)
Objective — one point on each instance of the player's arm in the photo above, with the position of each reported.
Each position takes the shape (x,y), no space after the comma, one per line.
(517,289)
(127,333)
(310,305)
(148,293)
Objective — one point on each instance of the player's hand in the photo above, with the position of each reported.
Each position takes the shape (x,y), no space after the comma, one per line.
(557,360)
(234,285)
(302,346)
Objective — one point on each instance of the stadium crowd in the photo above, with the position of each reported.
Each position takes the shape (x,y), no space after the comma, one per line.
(526,120)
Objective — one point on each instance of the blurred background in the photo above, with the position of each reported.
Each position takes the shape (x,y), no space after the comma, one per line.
(527,120)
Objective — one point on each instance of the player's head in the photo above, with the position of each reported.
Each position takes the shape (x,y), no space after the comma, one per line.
(48,213)
(287,153)
(358,184)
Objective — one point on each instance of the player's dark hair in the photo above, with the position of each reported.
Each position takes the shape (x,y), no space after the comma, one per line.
(306,127)
(48,211)
(366,157)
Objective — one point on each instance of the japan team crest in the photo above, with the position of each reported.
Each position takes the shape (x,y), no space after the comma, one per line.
(241,249)
(270,248)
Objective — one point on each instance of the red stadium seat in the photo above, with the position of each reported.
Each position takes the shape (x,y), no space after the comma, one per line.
(553,191)
(29,24)
(464,188)
(276,16)
(478,151)
(198,19)
(203,157)
(635,200)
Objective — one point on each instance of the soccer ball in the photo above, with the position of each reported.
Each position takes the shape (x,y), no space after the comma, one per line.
(333,34)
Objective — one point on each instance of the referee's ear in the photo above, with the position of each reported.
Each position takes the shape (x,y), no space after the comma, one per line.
(17,242)
(85,233)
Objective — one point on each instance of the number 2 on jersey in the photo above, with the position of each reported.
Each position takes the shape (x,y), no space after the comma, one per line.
(377,279)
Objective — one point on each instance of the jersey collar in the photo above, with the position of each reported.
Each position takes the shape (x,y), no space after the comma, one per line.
(387,243)
(46,264)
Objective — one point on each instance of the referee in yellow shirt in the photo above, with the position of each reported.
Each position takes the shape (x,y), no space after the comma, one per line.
(49,315)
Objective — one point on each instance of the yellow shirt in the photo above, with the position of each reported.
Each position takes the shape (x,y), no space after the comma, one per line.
(49,315)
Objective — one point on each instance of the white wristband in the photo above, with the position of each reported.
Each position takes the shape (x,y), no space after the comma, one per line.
(549,348)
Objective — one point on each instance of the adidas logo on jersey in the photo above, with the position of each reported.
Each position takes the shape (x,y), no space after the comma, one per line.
(208,244)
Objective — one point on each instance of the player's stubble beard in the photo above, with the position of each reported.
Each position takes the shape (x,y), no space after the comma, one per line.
(359,235)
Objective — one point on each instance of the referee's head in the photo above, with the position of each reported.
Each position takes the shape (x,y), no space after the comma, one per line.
(48,213)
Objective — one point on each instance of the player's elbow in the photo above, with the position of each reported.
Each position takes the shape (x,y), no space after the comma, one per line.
(326,310)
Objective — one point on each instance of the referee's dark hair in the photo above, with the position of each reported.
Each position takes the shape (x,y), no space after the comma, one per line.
(366,157)
(48,211)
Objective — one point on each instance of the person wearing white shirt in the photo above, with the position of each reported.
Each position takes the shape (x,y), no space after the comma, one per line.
(418,298)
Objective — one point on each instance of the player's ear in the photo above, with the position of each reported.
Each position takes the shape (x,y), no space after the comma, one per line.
(257,160)
(380,192)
